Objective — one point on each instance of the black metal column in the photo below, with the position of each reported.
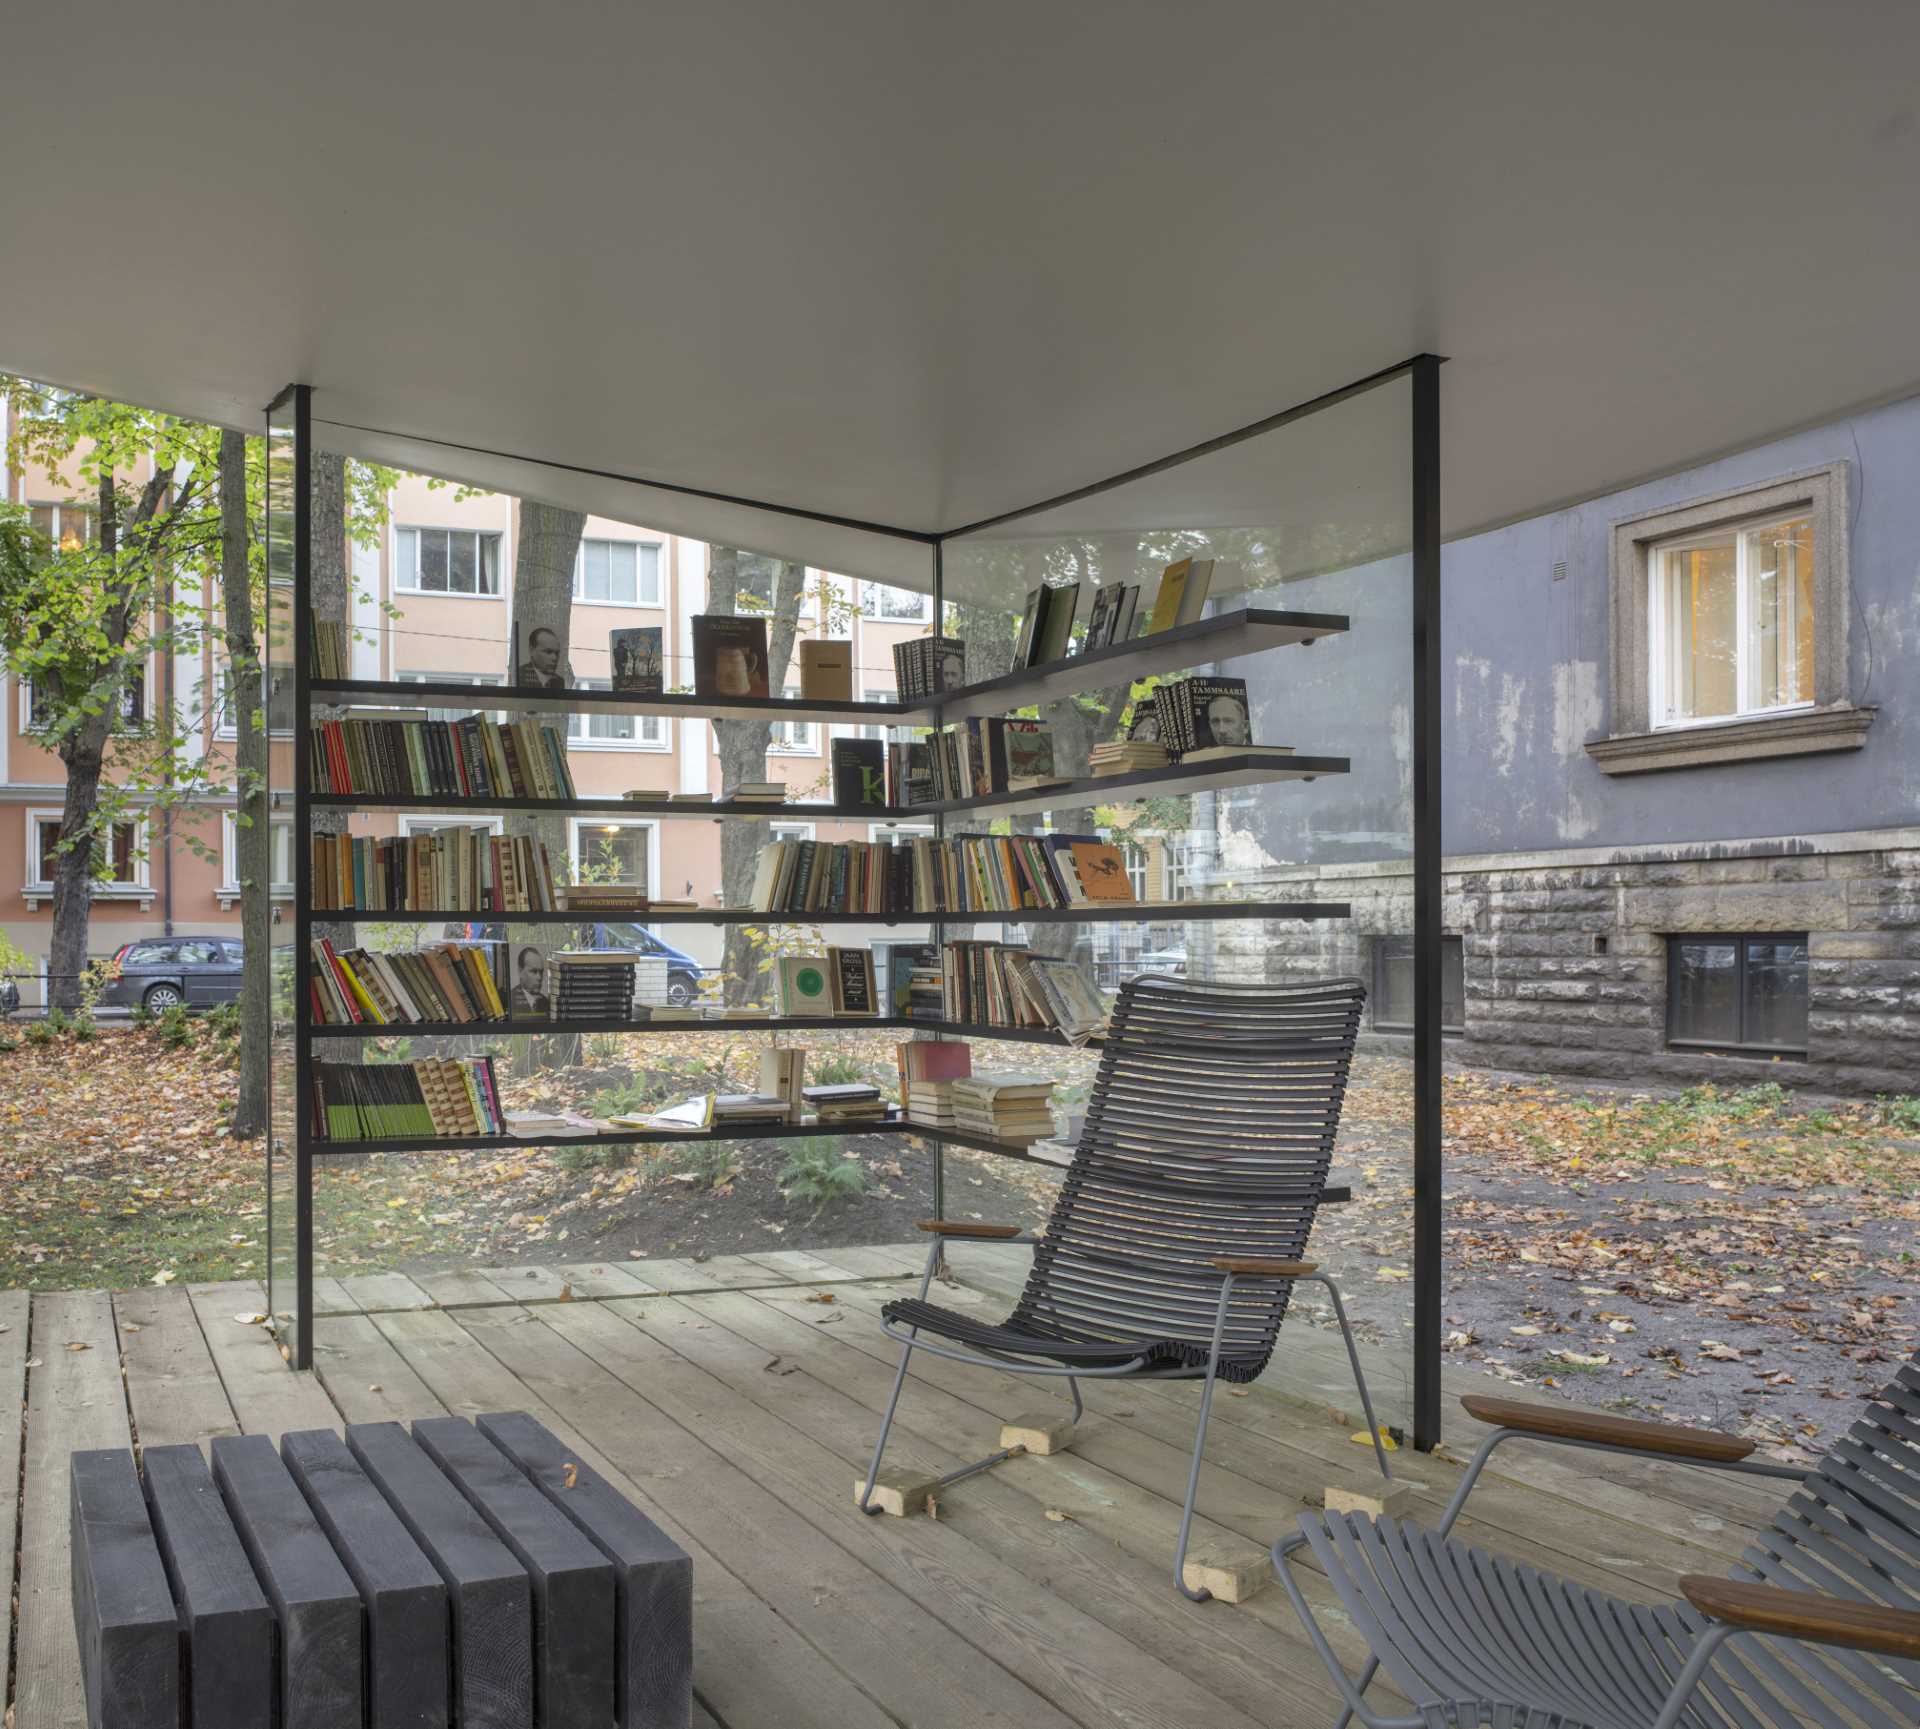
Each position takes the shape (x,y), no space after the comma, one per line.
(302,875)
(1427,1171)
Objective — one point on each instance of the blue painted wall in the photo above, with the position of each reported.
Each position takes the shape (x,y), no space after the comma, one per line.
(1526,670)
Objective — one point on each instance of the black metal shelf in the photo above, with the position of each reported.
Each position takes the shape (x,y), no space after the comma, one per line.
(734,1024)
(1214,776)
(1227,636)
(1100,912)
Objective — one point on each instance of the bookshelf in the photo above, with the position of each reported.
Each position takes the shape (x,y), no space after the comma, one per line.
(1162,500)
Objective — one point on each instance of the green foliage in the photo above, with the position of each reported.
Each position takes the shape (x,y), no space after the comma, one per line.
(818,1172)
(1899,1111)
(593,1156)
(223,1021)
(83,1029)
(398,1050)
(705,1164)
(631,1097)
(141,1015)
(176,1027)
(836,1069)
(42,1032)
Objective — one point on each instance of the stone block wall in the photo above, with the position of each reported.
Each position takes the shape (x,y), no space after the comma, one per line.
(1565,954)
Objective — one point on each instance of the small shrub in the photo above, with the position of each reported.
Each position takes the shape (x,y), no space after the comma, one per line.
(42,1032)
(57,1023)
(836,1069)
(1899,1111)
(706,1164)
(398,1050)
(176,1028)
(8,1046)
(578,1156)
(142,1016)
(224,1021)
(83,1029)
(627,1098)
(818,1172)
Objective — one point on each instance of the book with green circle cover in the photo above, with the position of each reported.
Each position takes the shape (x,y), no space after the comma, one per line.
(804,986)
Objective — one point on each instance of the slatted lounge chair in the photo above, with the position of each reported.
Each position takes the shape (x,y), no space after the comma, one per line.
(1819,1624)
(1176,1240)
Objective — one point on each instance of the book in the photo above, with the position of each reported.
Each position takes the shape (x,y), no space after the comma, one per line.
(751,1108)
(1215,753)
(1029,752)
(433,1097)
(1029,627)
(1102,871)
(894,964)
(1193,597)
(474,757)
(926,665)
(803,986)
(859,771)
(1172,593)
(729,655)
(691,1117)
(826,670)
(1106,601)
(639,664)
(1215,713)
(852,974)
(530,982)
(1055,631)
(783,1072)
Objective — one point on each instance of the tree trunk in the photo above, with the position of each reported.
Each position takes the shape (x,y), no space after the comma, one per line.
(743,744)
(332,599)
(253,834)
(545,551)
(83,751)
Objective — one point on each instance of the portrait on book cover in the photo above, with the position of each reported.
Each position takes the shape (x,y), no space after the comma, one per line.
(530,995)
(1226,720)
(542,663)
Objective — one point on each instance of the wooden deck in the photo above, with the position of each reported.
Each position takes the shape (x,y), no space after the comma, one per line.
(734,1406)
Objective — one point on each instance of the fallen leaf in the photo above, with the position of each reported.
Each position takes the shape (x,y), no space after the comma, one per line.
(250,1319)
(569,1475)
(1058,1517)
(78,1345)
(1363,1439)
(164,1277)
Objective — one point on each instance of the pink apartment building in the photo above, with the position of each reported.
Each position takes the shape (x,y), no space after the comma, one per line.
(444,566)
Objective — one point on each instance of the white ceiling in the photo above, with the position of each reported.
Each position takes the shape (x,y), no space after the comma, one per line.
(921,263)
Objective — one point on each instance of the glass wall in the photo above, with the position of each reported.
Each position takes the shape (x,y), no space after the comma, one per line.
(1313,517)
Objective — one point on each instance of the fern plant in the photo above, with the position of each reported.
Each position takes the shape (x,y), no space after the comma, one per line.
(818,1172)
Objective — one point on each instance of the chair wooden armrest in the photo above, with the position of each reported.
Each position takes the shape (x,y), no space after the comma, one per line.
(1571,1423)
(1805,1615)
(963,1228)
(1244,1268)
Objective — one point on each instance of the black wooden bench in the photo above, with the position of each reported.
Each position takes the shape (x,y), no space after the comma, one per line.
(464,1574)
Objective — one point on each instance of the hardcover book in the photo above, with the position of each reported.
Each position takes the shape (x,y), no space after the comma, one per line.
(1029,748)
(1215,713)
(1173,588)
(1102,871)
(859,771)
(729,655)
(826,670)
(802,986)
(638,663)
(852,971)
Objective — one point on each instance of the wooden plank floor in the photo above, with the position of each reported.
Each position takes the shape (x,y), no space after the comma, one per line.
(736,1405)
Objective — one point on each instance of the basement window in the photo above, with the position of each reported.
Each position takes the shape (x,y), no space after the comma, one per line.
(1738,993)
(1393,985)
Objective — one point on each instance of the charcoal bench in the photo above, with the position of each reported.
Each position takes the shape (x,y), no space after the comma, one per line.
(465,1573)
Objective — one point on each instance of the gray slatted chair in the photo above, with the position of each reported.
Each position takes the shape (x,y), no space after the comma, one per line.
(1176,1240)
(1819,1624)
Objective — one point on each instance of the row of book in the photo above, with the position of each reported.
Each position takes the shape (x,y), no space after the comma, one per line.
(467,868)
(435,1097)
(332,648)
(925,666)
(472,982)
(474,757)
(983,756)
(926,874)
(1114,615)
(994,984)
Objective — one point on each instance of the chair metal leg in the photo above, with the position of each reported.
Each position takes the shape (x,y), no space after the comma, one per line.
(1079,1404)
(1359,1377)
(886,1426)
(1199,1445)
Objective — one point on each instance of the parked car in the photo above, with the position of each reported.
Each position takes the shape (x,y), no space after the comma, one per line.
(684,973)
(9,998)
(161,973)
(1164,961)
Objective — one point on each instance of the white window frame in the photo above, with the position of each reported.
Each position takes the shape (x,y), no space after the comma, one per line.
(425,822)
(1659,644)
(228,893)
(499,561)
(478,680)
(36,889)
(29,730)
(871,728)
(581,741)
(577,824)
(780,731)
(639,545)
(57,505)
(227,727)
(899,831)
(870,604)
(790,831)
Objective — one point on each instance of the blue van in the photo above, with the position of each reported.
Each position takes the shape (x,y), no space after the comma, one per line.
(684,973)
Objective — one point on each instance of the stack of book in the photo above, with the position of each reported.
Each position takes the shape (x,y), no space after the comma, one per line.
(476,757)
(453,982)
(924,874)
(448,870)
(739,1108)
(388,1101)
(1126,756)
(1201,718)
(604,898)
(847,1102)
(929,1069)
(569,1123)
(976,759)
(1004,1107)
(758,792)
(1001,985)
(332,648)
(927,665)
(595,985)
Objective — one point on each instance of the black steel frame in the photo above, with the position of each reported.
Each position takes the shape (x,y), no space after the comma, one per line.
(1423,373)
